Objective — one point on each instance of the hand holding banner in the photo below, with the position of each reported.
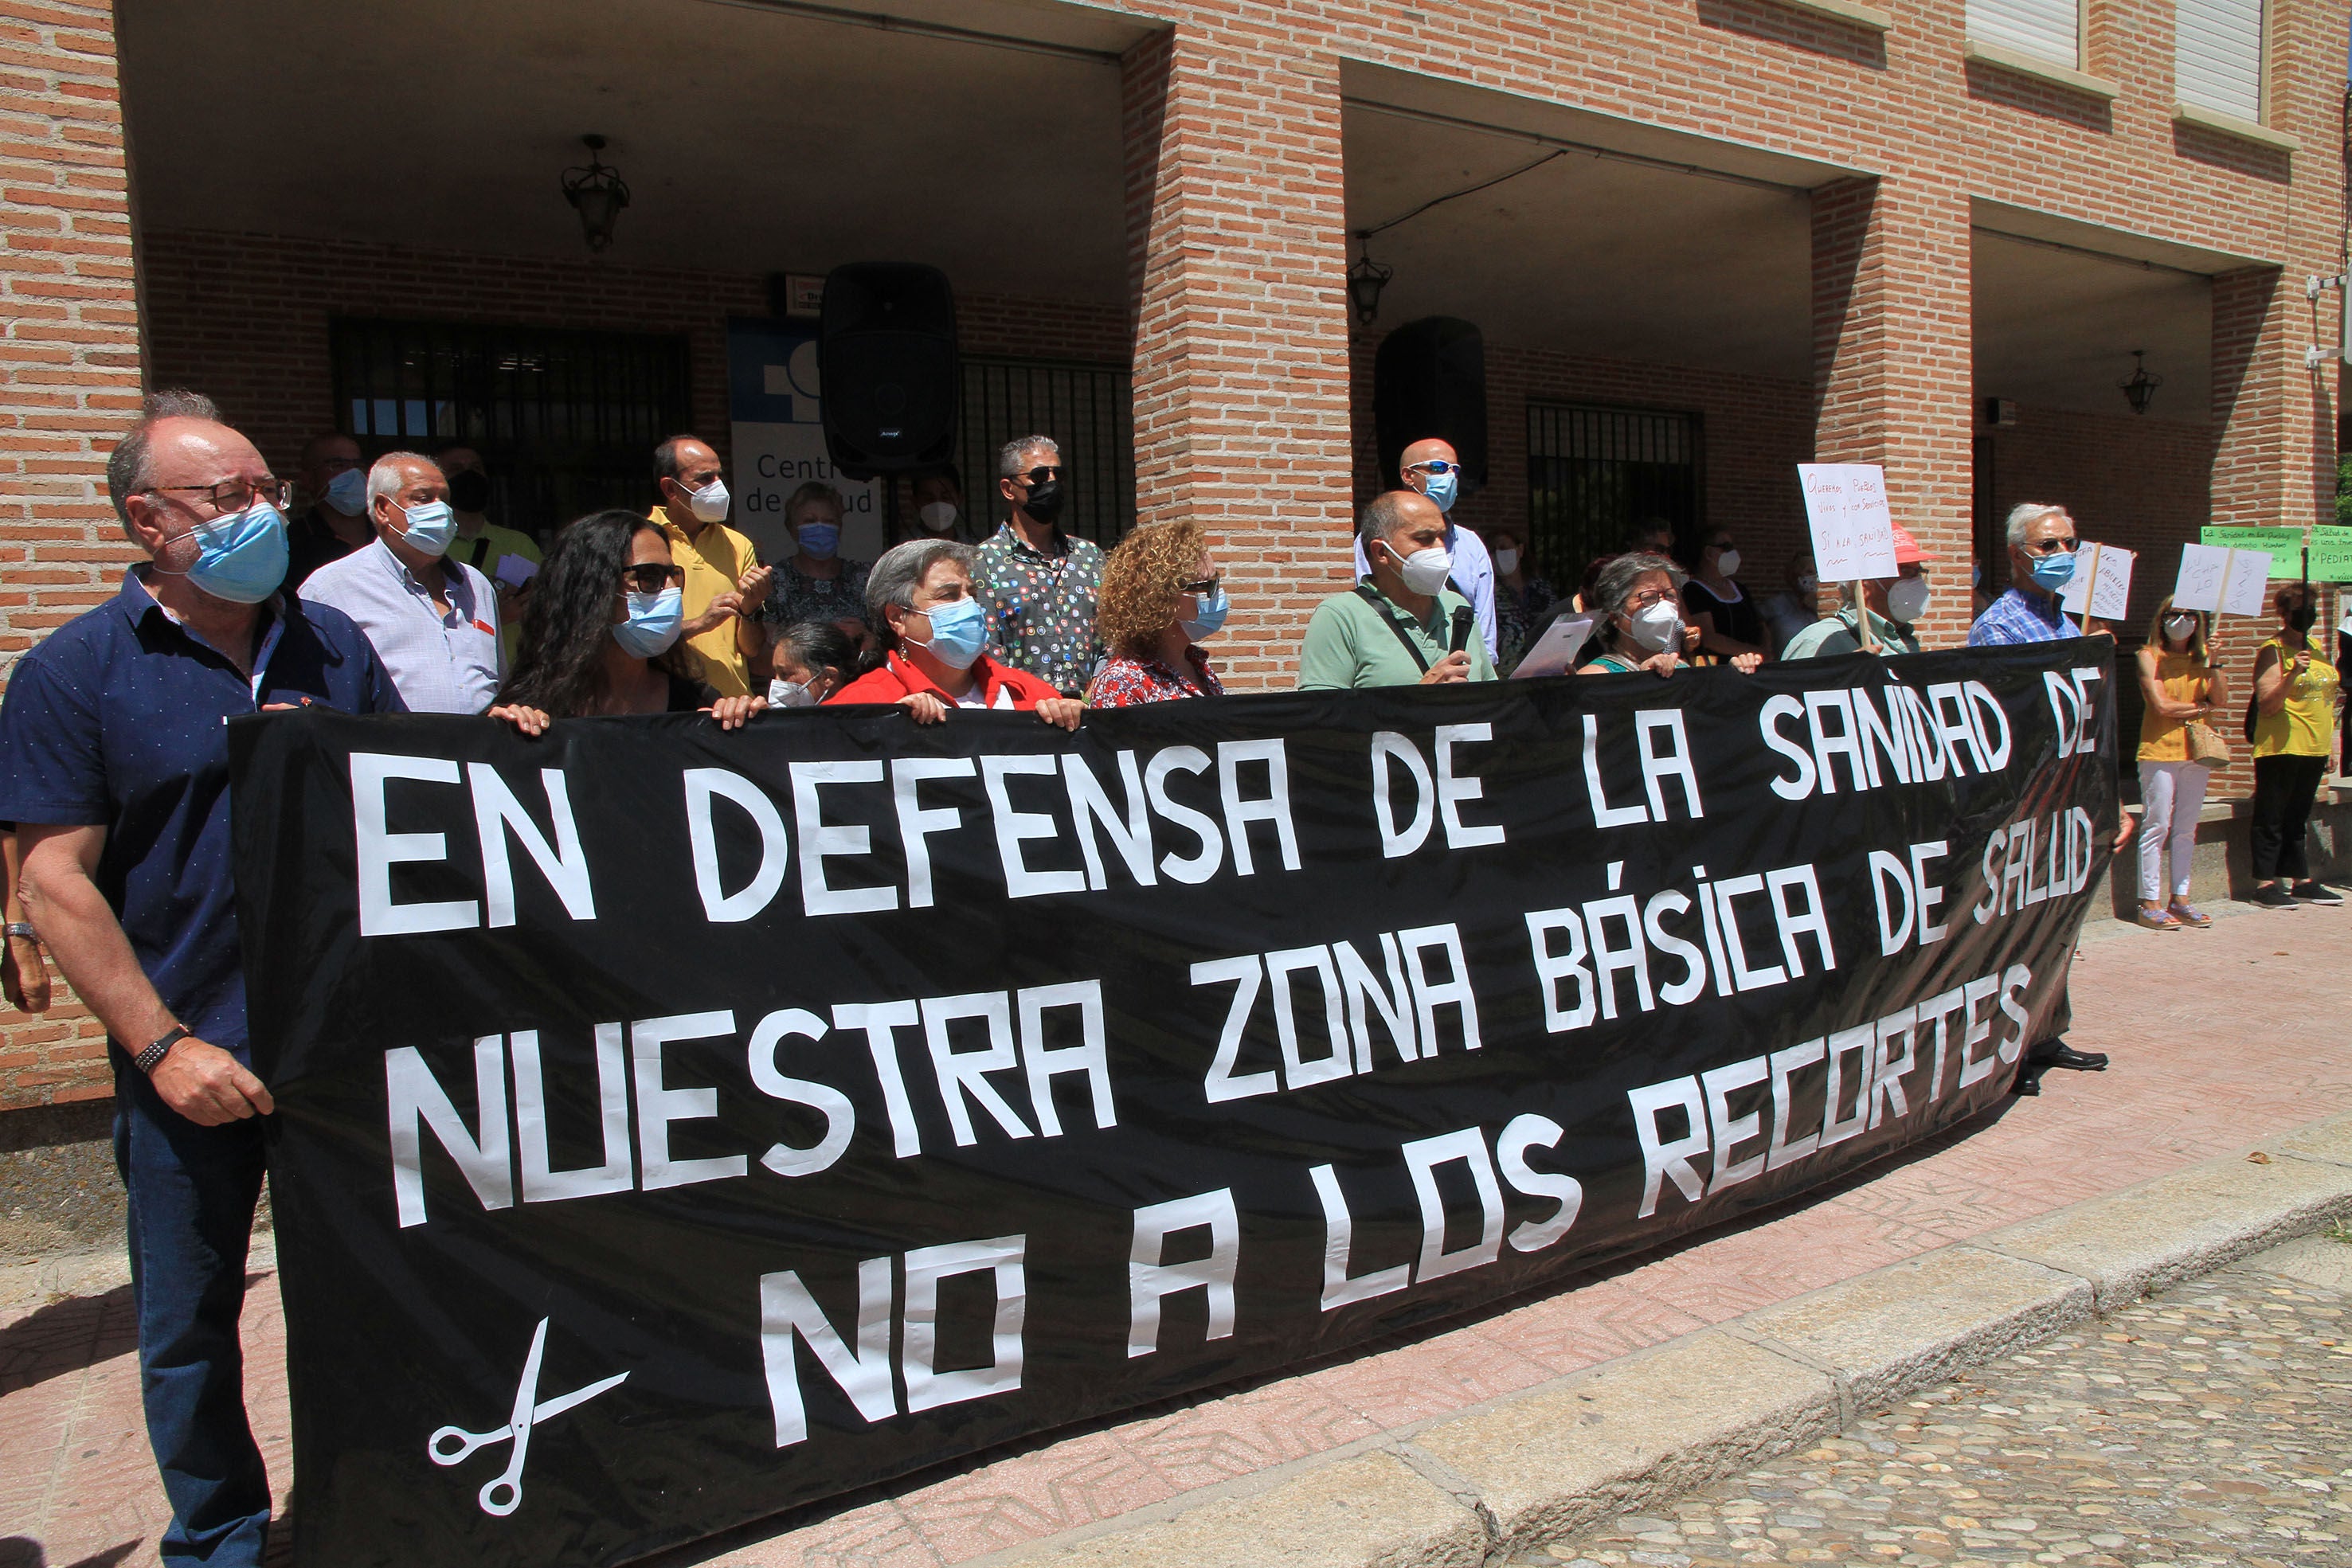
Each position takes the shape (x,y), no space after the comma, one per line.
(1854,532)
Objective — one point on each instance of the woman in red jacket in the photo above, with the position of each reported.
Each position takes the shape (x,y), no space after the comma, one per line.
(918,600)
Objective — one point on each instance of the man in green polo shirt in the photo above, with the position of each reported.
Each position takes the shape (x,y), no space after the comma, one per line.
(1396,628)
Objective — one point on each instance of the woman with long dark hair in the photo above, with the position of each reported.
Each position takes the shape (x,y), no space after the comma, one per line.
(602,635)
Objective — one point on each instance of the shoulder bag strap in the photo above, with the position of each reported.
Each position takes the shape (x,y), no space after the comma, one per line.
(1381,606)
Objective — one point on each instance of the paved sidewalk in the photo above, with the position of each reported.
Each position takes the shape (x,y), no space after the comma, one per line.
(2209,1427)
(2218,1036)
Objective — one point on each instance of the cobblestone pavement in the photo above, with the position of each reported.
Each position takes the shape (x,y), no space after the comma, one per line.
(2212,1424)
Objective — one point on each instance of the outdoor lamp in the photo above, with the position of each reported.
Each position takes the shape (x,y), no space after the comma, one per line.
(2142,386)
(597,193)
(1366,278)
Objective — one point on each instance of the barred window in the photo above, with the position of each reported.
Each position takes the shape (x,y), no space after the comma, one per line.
(1088,409)
(565,421)
(1594,473)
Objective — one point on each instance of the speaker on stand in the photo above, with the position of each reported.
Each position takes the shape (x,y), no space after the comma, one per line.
(886,361)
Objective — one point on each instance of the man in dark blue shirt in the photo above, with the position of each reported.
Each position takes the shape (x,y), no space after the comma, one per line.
(114,765)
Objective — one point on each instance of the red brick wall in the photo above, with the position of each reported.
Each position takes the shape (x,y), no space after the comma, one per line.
(68,375)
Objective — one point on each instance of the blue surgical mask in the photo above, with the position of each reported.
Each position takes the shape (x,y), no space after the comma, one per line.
(2053,572)
(428,526)
(1443,487)
(347,492)
(819,541)
(241,556)
(958,632)
(1214,609)
(655,621)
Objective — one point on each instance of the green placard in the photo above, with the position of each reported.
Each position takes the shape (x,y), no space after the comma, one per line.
(2285,545)
(2331,553)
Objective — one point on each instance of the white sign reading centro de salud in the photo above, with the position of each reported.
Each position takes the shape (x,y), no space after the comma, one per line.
(778,433)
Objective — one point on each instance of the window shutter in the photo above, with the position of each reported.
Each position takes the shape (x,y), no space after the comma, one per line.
(2047,29)
(2217,57)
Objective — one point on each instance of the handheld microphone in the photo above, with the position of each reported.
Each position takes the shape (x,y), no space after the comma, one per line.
(1463,618)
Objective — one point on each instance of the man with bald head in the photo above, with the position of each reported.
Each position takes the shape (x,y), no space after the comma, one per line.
(1403,624)
(725,582)
(114,767)
(433,618)
(333,477)
(1429,467)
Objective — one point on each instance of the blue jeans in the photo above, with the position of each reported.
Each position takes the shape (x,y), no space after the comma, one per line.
(193,1191)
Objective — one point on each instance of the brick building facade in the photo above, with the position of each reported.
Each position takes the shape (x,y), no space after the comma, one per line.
(1213,160)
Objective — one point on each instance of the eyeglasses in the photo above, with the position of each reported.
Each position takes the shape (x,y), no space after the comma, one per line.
(1435,466)
(1039,475)
(1207,585)
(2052,547)
(232,495)
(652,577)
(1655,596)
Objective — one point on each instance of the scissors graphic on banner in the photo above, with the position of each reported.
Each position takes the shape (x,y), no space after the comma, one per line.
(503,1494)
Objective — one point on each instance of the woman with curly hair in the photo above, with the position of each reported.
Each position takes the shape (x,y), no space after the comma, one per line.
(601,633)
(1161,595)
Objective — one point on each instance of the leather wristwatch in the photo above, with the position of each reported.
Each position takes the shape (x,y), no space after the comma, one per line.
(149,1059)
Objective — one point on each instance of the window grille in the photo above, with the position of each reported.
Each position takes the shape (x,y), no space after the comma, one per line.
(1088,409)
(565,421)
(1594,473)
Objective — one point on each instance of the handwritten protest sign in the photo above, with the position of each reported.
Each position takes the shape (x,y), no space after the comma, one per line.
(1853,533)
(2227,581)
(2102,582)
(2285,545)
(2331,554)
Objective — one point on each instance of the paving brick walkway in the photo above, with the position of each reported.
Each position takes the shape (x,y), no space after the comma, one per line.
(2207,1427)
(2218,1036)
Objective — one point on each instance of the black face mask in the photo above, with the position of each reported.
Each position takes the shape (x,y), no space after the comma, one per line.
(469,490)
(2302,617)
(1044,502)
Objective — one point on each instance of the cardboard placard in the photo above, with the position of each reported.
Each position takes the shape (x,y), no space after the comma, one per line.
(2227,581)
(2331,553)
(2102,582)
(1853,533)
(2285,545)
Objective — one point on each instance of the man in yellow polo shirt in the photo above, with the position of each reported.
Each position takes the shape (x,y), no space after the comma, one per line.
(725,584)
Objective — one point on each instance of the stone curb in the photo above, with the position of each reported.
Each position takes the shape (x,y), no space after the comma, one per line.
(1534,1467)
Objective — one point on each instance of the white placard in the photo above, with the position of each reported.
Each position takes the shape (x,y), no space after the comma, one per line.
(1853,533)
(2102,582)
(1555,651)
(2230,581)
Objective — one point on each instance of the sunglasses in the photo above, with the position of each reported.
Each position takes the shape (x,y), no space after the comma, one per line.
(1206,586)
(1436,465)
(1039,475)
(2051,546)
(653,578)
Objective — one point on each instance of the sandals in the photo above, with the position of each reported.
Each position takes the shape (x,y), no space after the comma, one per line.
(2188,914)
(2155,917)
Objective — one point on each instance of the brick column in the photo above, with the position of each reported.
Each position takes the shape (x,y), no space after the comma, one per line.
(1892,362)
(1237,255)
(69,368)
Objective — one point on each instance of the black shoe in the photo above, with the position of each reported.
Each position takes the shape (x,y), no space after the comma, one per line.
(2058,1053)
(2310,892)
(2028,1082)
(2270,895)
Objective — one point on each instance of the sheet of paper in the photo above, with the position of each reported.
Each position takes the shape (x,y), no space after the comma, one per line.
(2331,553)
(2102,582)
(514,571)
(2247,590)
(1853,533)
(2231,581)
(1555,651)
(2285,545)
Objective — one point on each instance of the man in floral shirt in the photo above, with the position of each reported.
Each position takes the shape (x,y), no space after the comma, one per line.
(1037,583)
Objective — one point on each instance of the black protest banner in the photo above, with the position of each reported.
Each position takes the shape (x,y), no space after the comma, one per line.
(678,1126)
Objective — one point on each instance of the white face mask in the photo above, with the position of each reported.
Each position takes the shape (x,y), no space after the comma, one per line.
(938,516)
(1727,563)
(2180,628)
(1425,570)
(783,693)
(1507,561)
(1658,628)
(709,503)
(1906,598)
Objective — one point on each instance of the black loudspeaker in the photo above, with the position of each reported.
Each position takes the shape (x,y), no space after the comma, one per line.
(1430,379)
(886,354)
